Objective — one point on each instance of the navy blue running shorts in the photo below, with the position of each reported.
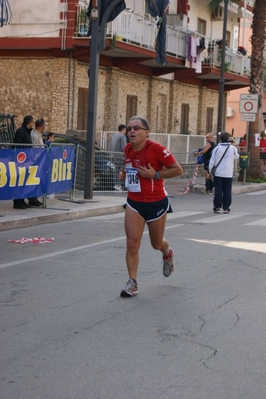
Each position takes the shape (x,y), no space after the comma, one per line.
(151,211)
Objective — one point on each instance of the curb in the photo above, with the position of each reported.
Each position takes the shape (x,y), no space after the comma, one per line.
(236,189)
(58,217)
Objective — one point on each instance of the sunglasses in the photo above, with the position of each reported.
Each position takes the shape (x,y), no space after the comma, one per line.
(135,128)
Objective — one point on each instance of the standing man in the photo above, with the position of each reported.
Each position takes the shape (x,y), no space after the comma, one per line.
(36,134)
(146,165)
(119,141)
(117,144)
(207,152)
(224,156)
(22,136)
(36,138)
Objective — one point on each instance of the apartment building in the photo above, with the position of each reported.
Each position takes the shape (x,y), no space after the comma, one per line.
(45,57)
(235,123)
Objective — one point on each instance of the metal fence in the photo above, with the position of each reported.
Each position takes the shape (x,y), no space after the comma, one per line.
(7,128)
(108,164)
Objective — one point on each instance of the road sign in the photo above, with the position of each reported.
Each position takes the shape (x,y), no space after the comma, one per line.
(248,117)
(248,103)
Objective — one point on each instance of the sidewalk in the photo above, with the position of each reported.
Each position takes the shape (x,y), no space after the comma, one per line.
(61,209)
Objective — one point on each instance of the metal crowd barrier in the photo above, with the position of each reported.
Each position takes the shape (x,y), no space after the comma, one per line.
(108,164)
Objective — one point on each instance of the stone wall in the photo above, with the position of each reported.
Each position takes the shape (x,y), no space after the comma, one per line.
(48,88)
(25,88)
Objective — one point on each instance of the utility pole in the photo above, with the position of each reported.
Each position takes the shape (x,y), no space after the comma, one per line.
(97,45)
(221,81)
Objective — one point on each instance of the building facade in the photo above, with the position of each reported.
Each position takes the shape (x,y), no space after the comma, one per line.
(234,122)
(45,58)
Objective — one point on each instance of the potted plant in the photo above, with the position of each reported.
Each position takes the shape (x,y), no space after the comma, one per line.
(242,50)
(219,43)
(82,22)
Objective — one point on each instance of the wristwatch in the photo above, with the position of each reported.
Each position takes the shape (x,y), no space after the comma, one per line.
(157,175)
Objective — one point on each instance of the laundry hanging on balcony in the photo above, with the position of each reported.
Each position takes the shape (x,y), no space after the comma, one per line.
(5,13)
(157,9)
(105,4)
(195,46)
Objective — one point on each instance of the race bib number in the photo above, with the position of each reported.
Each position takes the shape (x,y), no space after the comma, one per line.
(132,181)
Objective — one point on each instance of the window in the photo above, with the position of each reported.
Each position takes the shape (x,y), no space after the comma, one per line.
(146,7)
(202,26)
(209,119)
(82,109)
(184,118)
(228,38)
(132,102)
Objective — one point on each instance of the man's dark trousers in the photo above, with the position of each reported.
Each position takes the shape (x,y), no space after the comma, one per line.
(223,192)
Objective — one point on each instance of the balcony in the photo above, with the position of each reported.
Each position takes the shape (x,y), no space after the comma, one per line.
(135,30)
(235,62)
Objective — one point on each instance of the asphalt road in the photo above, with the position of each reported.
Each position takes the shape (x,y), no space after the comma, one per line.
(66,333)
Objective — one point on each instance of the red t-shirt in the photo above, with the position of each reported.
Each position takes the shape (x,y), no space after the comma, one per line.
(242,146)
(158,156)
(262,145)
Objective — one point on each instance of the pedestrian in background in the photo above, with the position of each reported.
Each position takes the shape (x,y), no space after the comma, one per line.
(243,143)
(223,157)
(50,139)
(36,137)
(36,133)
(146,165)
(22,136)
(119,141)
(207,152)
(263,151)
(117,144)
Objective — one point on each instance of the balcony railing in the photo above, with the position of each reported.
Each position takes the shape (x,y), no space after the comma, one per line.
(235,62)
(140,31)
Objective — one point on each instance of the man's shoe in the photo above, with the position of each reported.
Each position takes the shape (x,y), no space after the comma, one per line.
(20,206)
(130,289)
(226,211)
(35,203)
(217,210)
(168,264)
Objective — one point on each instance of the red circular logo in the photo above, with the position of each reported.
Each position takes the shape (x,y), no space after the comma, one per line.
(65,154)
(21,157)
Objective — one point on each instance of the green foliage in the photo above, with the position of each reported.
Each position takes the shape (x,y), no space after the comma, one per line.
(213,4)
(261,179)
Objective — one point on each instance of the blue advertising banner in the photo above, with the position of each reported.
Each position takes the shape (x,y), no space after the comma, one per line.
(35,172)
(61,168)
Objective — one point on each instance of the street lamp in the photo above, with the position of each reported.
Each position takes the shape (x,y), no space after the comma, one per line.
(221,80)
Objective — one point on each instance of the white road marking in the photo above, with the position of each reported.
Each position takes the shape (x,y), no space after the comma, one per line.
(259,222)
(170,216)
(219,218)
(65,251)
(261,192)
(102,217)
(248,246)
(182,214)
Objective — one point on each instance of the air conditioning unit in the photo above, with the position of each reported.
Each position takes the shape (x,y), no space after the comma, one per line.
(179,20)
(229,112)
(218,14)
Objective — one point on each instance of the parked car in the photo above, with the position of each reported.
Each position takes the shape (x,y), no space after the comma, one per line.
(104,169)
